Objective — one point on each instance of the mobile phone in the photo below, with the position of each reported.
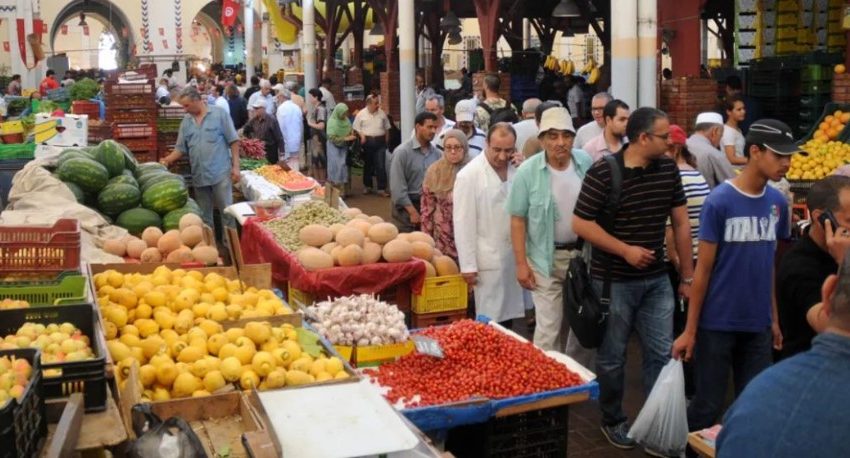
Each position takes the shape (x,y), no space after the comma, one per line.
(828,215)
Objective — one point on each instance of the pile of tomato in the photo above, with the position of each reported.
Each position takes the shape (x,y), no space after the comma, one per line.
(480,362)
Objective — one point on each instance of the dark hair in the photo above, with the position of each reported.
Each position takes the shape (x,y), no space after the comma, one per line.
(273,80)
(688,156)
(734,82)
(255,80)
(642,121)
(502,126)
(424,116)
(729,103)
(167,71)
(538,112)
(50,72)
(464,70)
(749,145)
(492,82)
(315,92)
(667,73)
(219,89)
(16,77)
(610,110)
(232,91)
(823,195)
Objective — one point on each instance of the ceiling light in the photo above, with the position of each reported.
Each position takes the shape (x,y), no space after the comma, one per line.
(377,29)
(454,37)
(449,21)
(567,8)
(83,22)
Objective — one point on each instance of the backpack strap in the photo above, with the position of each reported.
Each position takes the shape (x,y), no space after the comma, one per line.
(606,220)
(486,107)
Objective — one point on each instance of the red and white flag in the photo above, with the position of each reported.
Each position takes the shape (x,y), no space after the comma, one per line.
(86,30)
(64,30)
(228,12)
(164,44)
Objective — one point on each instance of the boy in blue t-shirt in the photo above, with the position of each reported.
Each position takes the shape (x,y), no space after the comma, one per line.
(732,318)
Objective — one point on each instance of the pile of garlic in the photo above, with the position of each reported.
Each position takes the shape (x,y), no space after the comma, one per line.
(358,320)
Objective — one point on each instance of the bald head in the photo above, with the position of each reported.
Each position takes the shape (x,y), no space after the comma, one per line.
(529,107)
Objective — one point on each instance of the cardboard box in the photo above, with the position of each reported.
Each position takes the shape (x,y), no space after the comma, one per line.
(69,130)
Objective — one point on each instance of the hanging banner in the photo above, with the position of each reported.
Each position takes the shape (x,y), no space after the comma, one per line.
(228,12)
(162,31)
(164,44)
(63,30)
(86,30)
(34,39)
(6,46)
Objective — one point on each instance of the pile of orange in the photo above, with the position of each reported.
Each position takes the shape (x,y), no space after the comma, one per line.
(832,126)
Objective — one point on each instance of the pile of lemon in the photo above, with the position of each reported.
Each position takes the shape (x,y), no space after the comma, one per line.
(823,158)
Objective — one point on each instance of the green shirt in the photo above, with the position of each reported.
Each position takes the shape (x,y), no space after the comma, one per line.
(530,197)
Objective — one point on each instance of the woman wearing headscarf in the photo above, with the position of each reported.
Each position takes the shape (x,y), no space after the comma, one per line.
(339,133)
(436,214)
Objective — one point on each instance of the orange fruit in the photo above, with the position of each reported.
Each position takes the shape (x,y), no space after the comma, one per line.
(845,117)
(823,126)
(839,69)
(837,113)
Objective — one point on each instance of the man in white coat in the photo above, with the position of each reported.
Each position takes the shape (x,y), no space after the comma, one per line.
(482,228)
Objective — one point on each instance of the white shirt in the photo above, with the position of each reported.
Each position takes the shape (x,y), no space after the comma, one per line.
(270,106)
(525,129)
(328,98)
(586,132)
(289,117)
(161,92)
(221,102)
(566,186)
(733,137)
(371,124)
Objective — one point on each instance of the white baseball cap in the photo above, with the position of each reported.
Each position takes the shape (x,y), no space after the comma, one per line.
(259,103)
(465,111)
(709,117)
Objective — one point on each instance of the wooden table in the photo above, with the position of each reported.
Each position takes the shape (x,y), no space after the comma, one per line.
(99,430)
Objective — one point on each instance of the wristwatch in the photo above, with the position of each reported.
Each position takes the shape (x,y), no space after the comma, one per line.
(688,281)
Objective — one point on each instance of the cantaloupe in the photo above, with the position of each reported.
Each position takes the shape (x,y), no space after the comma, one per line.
(205,254)
(437,252)
(336,227)
(351,212)
(362,216)
(403,236)
(151,235)
(422,250)
(421,237)
(116,247)
(397,251)
(169,242)
(350,236)
(315,235)
(335,251)
(328,247)
(383,232)
(180,255)
(190,219)
(375,219)
(151,254)
(192,235)
(314,259)
(372,253)
(430,271)
(445,266)
(135,248)
(352,255)
(362,225)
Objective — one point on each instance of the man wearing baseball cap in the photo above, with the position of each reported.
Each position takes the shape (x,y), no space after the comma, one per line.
(263,126)
(732,314)
(465,121)
(541,203)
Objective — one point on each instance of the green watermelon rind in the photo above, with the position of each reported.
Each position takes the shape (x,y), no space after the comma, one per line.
(165,196)
(116,198)
(126,179)
(171,220)
(71,153)
(77,191)
(142,168)
(147,175)
(152,180)
(109,154)
(136,220)
(90,175)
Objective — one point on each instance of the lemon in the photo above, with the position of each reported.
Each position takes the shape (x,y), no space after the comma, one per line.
(114,279)
(214,381)
(231,369)
(155,299)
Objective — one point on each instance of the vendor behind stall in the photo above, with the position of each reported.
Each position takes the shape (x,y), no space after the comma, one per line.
(263,126)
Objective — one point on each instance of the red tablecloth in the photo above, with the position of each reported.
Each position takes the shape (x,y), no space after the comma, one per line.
(259,246)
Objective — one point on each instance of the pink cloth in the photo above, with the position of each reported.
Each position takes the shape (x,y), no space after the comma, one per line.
(597,148)
(437,221)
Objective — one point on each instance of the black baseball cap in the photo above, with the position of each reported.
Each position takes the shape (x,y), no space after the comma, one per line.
(774,135)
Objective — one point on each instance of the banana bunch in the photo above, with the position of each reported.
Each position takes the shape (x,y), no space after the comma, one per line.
(563,67)
(592,70)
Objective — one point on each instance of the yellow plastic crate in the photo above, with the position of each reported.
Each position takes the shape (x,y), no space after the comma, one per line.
(298,298)
(374,355)
(12,127)
(345,351)
(441,294)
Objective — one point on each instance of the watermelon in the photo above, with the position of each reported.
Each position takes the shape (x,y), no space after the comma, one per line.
(299,186)
(165,196)
(71,153)
(78,193)
(136,220)
(171,220)
(158,179)
(88,174)
(117,197)
(147,175)
(147,166)
(194,206)
(109,154)
(123,178)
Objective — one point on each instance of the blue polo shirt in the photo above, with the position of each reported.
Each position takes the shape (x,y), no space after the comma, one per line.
(208,145)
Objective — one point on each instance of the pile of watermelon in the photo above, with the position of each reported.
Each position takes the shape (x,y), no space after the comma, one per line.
(135,196)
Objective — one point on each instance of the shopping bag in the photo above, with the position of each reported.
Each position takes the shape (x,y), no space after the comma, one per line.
(662,423)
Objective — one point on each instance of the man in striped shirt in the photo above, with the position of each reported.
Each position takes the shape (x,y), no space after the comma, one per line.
(465,116)
(629,256)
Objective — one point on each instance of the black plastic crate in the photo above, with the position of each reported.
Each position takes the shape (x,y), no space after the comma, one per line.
(536,434)
(23,425)
(87,377)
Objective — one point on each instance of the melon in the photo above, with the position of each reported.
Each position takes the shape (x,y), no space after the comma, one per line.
(336,227)
(169,242)
(314,259)
(352,255)
(375,219)
(445,266)
(151,254)
(397,251)
(192,236)
(430,271)
(180,255)
(116,247)
(421,237)
(372,253)
(328,247)
(151,235)
(190,219)
(350,236)
(135,248)
(335,254)
(205,254)
(383,232)
(403,236)
(422,250)
(315,235)
(362,225)
(351,212)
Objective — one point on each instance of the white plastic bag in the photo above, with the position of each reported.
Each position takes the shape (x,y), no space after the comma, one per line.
(662,423)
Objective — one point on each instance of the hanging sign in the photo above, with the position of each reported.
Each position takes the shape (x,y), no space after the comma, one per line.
(228,13)
(86,30)
(63,30)
(6,46)
(164,44)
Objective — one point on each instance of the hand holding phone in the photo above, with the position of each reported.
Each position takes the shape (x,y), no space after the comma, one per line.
(828,215)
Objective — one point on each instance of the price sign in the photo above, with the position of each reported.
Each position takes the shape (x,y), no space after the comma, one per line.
(428,346)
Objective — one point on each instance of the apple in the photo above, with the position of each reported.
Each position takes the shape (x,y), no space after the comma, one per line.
(23,342)
(22,366)
(51,328)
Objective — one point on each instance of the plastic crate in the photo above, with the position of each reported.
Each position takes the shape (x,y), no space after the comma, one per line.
(67,288)
(100,132)
(539,433)
(140,144)
(40,249)
(168,125)
(424,320)
(171,112)
(130,102)
(87,377)
(146,156)
(17,151)
(137,130)
(58,95)
(23,425)
(130,116)
(442,294)
(115,88)
(297,298)
(829,109)
(84,107)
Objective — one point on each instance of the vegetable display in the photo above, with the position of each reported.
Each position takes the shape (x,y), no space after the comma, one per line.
(251,164)
(276,175)
(183,244)
(252,148)
(286,229)
(84,89)
(480,361)
(358,320)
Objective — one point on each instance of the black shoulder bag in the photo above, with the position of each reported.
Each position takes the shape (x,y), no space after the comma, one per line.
(586,312)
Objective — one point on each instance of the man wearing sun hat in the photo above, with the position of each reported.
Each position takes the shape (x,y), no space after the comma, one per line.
(732,310)
(541,203)
(704,144)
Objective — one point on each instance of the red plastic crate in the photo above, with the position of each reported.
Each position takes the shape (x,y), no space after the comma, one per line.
(111,88)
(129,115)
(136,130)
(140,144)
(171,112)
(42,250)
(84,107)
(99,132)
(146,156)
(131,102)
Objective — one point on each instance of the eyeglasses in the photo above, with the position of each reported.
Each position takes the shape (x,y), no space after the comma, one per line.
(453,148)
(664,137)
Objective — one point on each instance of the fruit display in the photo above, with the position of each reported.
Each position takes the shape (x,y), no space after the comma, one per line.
(291,181)
(183,244)
(831,126)
(479,361)
(567,67)
(108,179)
(822,159)
(358,320)
(58,343)
(9,304)
(252,148)
(202,359)
(15,374)
(286,229)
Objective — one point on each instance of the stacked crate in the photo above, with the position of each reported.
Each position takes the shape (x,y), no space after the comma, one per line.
(167,125)
(815,86)
(841,88)
(131,109)
(775,82)
(684,98)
